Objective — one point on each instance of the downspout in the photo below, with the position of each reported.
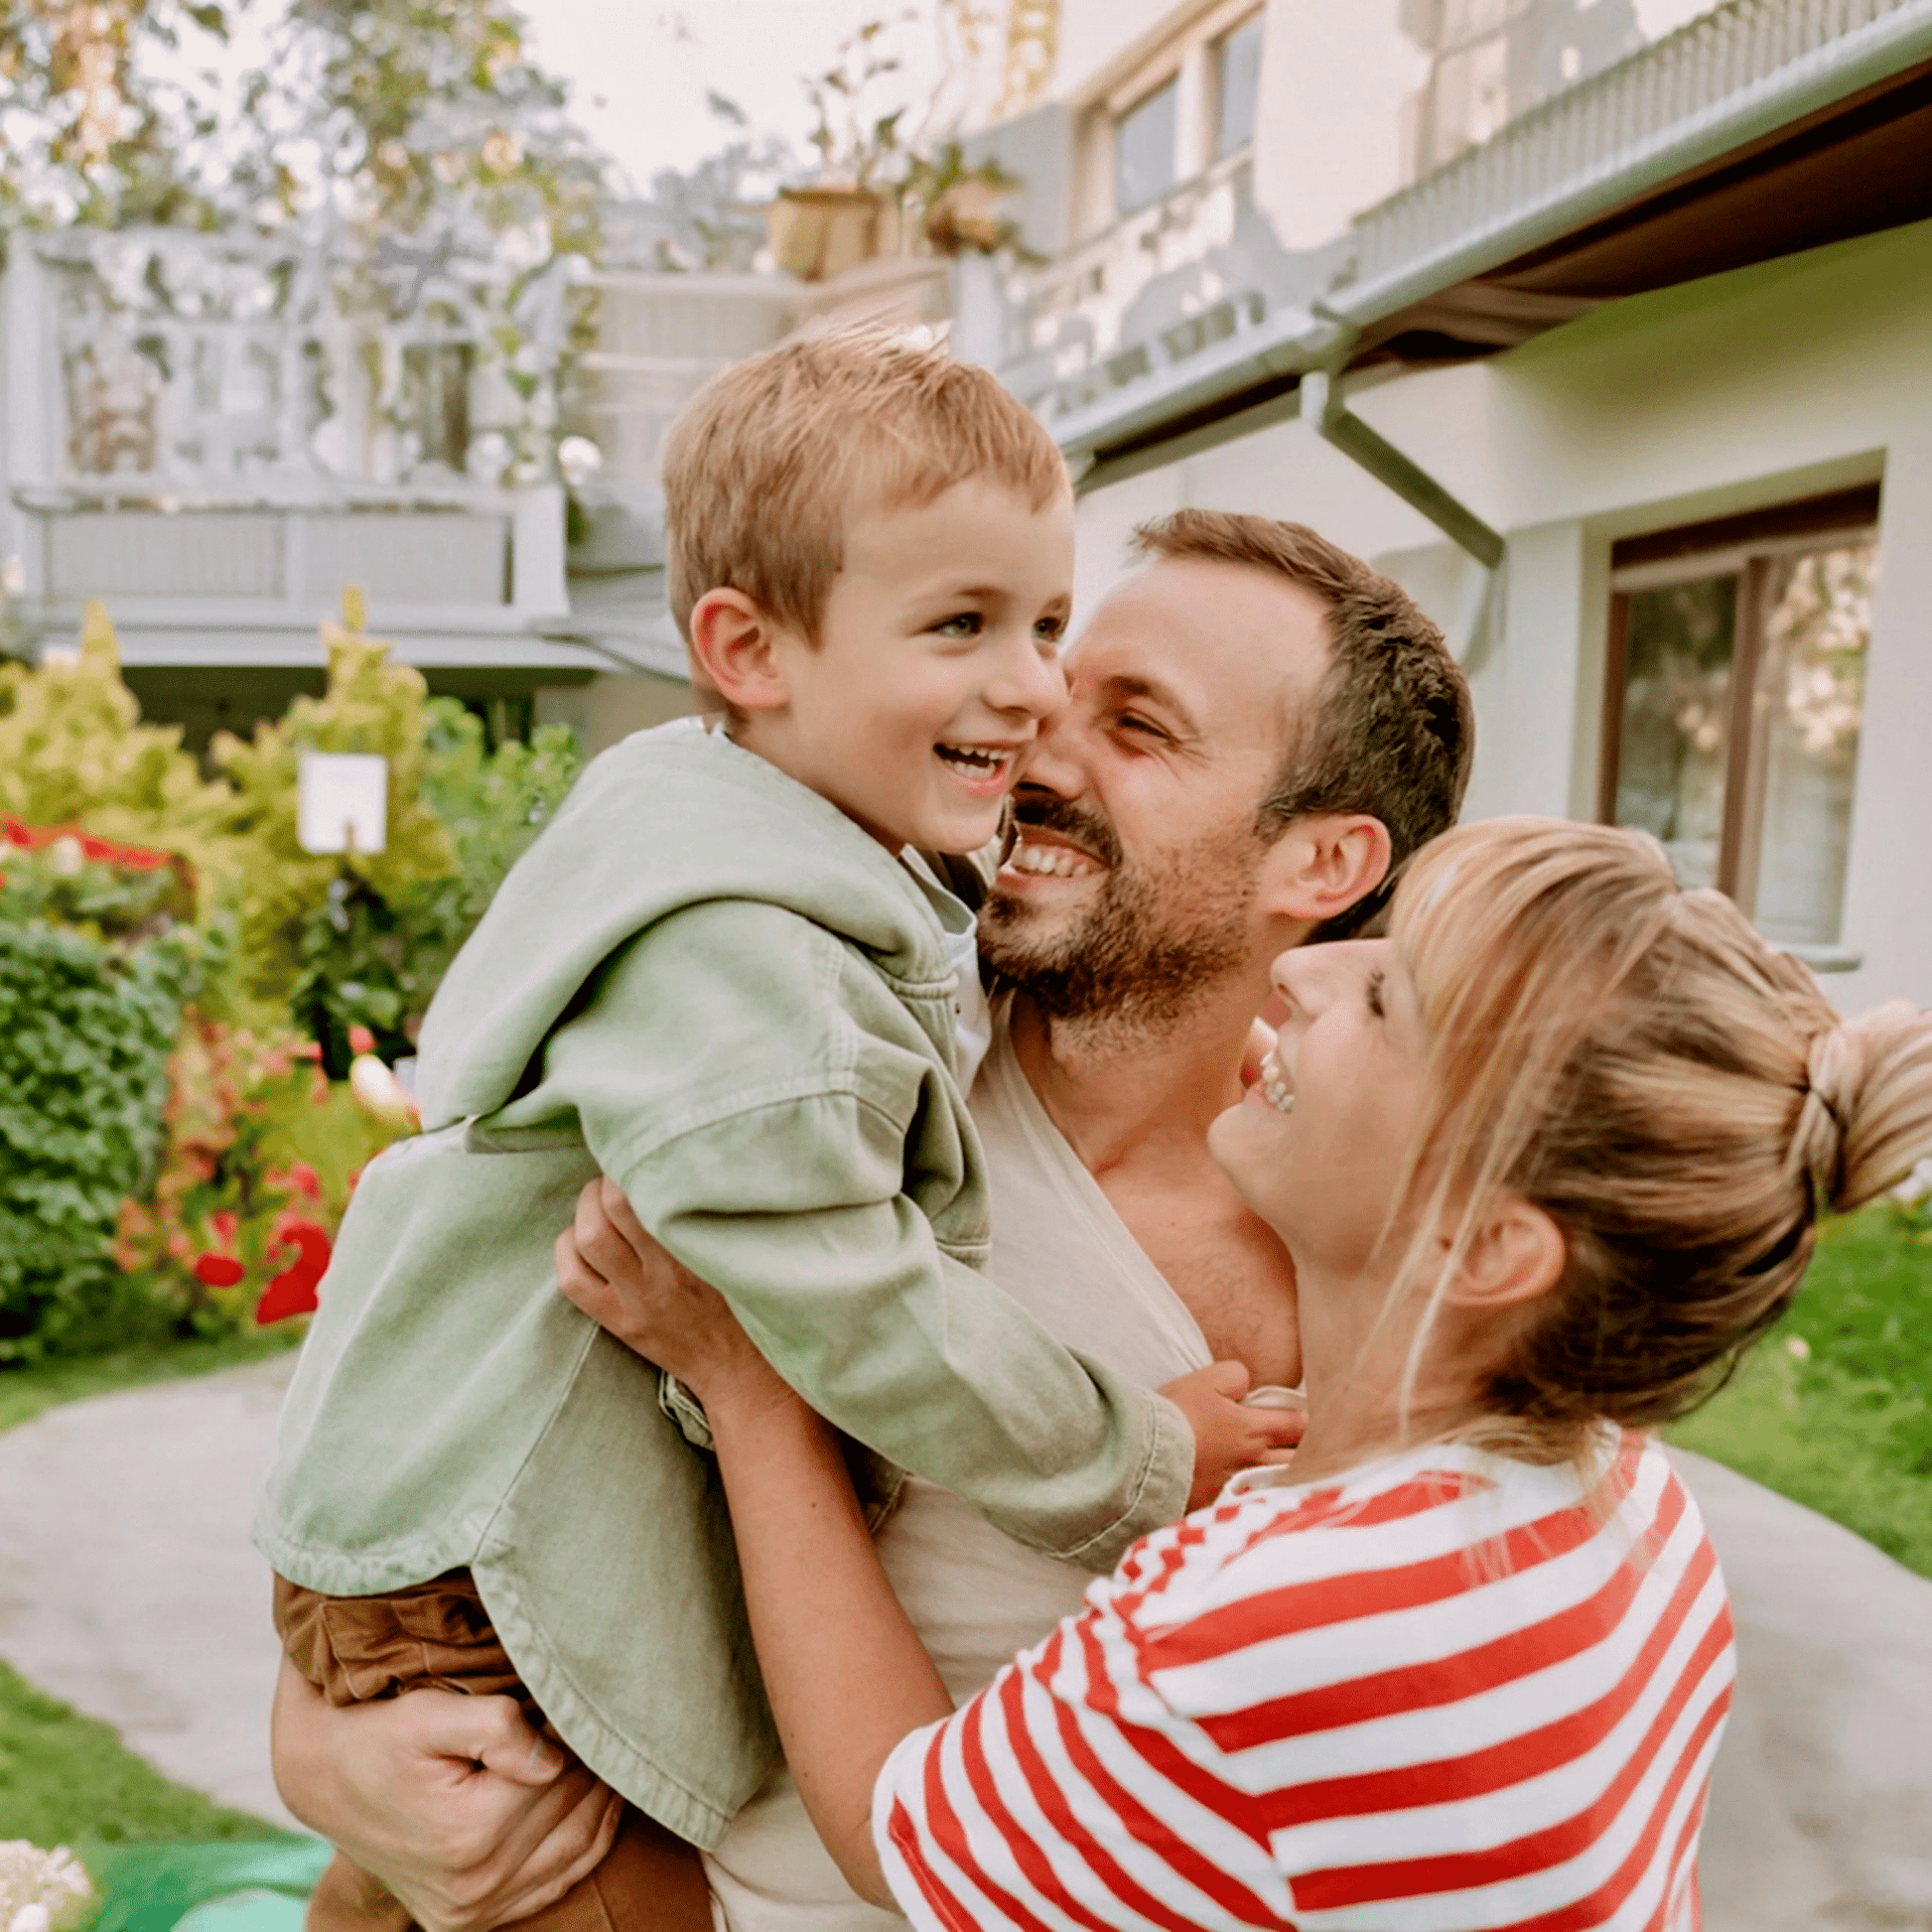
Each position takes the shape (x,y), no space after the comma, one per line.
(1324,412)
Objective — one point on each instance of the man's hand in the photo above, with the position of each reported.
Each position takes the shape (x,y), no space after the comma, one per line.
(611,1269)
(466,1814)
(1228,1436)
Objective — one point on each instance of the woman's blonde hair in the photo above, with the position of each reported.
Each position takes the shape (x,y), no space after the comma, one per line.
(1676,1094)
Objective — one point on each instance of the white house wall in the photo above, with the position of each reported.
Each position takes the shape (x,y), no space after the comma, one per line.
(1745,390)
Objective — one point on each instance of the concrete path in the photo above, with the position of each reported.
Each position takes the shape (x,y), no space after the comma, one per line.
(128,1589)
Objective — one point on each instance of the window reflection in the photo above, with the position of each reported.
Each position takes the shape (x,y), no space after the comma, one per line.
(1239,89)
(1143,151)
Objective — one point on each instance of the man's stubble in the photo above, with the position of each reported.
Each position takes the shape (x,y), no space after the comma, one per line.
(1157,940)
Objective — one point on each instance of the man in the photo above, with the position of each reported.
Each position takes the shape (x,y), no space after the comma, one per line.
(1259,730)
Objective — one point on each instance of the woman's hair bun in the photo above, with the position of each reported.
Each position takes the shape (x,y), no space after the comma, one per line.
(1866,1116)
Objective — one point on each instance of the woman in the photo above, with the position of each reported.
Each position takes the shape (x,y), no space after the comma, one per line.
(1547,1159)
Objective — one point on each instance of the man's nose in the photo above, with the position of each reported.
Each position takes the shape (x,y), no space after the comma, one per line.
(1052,760)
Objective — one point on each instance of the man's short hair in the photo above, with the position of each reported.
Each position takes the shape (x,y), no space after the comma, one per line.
(1393,730)
(775,453)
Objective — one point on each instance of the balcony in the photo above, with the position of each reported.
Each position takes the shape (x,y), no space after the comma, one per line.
(216,432)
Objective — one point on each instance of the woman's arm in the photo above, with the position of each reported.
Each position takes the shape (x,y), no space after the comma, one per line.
(468,1814)
(846,1673)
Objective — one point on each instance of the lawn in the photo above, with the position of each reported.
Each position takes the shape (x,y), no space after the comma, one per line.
(1835,1409)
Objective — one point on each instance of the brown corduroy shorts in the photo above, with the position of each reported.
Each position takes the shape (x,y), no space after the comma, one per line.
(437,1636)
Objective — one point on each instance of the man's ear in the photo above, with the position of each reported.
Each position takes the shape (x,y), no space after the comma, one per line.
(1323,864)
(734,650)
(1518,1255)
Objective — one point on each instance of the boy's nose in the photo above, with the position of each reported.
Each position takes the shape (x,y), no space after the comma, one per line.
(1029,681)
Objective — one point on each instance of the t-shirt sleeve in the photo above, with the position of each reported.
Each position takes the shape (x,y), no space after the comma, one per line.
(766,1147)
(1072,1791)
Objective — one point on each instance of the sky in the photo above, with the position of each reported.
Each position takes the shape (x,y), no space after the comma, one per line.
(639,70)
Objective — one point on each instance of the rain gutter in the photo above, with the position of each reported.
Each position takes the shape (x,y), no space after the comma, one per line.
(1274,353)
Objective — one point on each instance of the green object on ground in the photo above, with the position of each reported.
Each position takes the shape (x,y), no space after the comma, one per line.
(1834,1407)
(65,1779)
(231,1888)
(29,1388)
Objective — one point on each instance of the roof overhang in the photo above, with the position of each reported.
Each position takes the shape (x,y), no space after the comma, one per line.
(1831,144)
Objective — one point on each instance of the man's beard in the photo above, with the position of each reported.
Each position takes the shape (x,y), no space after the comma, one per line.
(1154,941)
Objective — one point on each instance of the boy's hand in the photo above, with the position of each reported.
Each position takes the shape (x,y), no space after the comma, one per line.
(1227,1436)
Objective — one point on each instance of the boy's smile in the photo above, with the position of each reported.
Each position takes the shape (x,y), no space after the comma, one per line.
(937,656)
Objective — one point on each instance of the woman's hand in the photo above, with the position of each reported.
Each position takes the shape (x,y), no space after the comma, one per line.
(611,1269)
(466,1814)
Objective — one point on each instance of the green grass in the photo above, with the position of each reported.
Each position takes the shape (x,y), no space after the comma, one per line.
(64,1777)
(1834,1407)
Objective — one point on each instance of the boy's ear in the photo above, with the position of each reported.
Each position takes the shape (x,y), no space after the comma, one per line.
(734,650)
(1323,864)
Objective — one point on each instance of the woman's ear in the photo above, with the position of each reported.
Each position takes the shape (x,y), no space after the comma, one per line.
(1325,864)
(1517,1255)
(733,650)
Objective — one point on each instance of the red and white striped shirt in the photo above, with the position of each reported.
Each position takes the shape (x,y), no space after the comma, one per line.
(1434,1695)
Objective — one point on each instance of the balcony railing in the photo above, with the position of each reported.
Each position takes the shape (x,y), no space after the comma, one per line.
(1596,128)
(1164,282)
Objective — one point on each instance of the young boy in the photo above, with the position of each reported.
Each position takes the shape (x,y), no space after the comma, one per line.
(718,979)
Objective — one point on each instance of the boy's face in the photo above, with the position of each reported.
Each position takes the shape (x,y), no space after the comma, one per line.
(937,657)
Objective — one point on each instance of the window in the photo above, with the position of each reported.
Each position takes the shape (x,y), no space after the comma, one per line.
(1144,150)
(1736,691)
(1237,87)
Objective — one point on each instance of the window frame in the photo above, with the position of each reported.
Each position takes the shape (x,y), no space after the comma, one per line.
(1221,152)
(1745,545)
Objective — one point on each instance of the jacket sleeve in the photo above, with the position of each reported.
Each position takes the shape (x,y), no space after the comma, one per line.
(765,1147)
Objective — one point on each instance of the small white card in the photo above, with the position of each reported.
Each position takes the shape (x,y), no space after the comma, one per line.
(342,802)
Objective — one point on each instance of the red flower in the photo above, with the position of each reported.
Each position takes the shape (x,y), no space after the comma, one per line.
(307,1051)
(293,1290)
(226,1226)
(360,1039)
(304,1181)
(219,1271)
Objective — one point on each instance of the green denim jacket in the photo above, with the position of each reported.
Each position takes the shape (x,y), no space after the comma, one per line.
(704,981)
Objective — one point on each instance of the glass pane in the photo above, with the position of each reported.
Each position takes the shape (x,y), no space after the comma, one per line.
(1240,88)
(1674,750)
(1143,151)
(1811,703)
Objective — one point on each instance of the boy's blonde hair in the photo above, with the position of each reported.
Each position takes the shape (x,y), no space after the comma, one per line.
(1676,1094)
(772,456)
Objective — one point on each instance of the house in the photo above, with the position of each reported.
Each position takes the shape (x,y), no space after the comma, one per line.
(1607,328)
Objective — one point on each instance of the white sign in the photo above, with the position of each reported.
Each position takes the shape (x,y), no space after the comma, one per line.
(342,802)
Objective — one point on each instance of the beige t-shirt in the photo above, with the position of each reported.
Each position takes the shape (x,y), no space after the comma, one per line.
(975,1596)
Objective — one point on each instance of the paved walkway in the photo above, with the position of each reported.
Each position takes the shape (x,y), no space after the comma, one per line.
(128,1589)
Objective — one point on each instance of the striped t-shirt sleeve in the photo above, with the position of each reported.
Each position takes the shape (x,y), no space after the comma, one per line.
(1446,1694)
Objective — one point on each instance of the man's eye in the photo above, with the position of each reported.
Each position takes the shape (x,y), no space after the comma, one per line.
(968,623)
(1145,726)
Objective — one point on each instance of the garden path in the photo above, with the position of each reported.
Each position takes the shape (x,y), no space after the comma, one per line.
(130,1591)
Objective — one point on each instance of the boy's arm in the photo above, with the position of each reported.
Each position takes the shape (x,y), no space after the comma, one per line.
(717,1094)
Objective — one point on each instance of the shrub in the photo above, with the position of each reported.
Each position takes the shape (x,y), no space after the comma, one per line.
(226,1220)
(72,749)
(372,706)
(85,1024)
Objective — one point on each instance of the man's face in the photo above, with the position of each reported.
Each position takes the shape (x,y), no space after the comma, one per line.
(1132,889)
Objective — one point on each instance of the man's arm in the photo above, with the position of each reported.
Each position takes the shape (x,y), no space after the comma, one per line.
(466,1814)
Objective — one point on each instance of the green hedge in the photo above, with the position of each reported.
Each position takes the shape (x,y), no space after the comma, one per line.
(86,1029)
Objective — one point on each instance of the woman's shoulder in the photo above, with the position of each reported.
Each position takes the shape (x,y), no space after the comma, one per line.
(1444,1560)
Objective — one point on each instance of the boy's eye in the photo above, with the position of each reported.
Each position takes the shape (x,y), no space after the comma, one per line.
(1050,629)
(967,623)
